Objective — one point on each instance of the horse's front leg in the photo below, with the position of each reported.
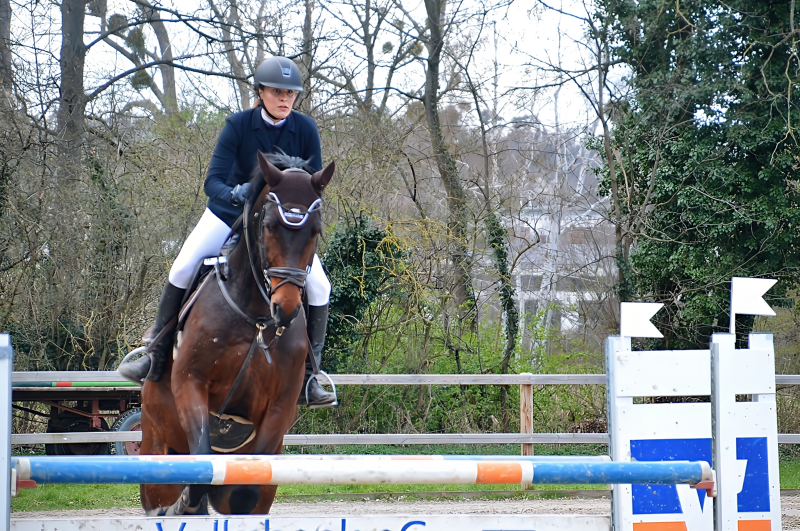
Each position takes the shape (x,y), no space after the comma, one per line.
(157,416)
(255,499)
(191,399)
(280,411)
(190,388)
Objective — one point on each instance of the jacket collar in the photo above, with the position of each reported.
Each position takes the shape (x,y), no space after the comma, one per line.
(258,122)
(260,128)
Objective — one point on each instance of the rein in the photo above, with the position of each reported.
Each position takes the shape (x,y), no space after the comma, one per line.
(245,222)
(289,275)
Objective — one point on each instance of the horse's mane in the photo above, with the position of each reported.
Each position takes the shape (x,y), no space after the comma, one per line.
(282,161)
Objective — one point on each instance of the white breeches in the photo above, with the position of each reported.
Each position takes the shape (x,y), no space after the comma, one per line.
(207,239)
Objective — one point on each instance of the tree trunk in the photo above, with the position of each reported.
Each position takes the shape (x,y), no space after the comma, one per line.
(369,45)
(237,68)
(497,235)
(460,283)
(6,60)
(72,103)
(170,98)
(307,58)
(497,238)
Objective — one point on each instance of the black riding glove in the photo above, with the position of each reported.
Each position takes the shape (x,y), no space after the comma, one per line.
(241,193)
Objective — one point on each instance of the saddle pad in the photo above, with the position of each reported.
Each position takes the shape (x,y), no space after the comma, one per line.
(228,433)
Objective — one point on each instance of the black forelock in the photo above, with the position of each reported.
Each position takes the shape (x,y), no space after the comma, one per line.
(282,161)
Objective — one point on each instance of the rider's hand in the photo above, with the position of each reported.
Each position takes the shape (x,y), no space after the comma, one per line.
(241,193)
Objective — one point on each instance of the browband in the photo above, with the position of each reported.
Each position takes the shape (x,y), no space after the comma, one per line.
(316,205)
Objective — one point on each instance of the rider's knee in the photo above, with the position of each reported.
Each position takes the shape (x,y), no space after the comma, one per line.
(180,275)
(318,287)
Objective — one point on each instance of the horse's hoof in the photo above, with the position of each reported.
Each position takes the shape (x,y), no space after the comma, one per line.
(202,508)
(179,507)
(244,498)
(176,509)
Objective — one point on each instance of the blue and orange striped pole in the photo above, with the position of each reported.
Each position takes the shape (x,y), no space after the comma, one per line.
(274,470)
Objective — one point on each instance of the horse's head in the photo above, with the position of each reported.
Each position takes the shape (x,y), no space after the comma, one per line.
(287,216)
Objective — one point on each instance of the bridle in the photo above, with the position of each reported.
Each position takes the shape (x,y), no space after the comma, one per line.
(288,275)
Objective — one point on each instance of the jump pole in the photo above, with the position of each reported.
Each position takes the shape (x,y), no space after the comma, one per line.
(265,470)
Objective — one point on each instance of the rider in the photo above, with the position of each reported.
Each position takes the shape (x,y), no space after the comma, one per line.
(270,126)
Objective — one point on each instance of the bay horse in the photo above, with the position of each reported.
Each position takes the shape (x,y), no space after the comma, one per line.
(242,348)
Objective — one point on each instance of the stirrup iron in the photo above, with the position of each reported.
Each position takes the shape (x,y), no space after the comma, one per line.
(330,381)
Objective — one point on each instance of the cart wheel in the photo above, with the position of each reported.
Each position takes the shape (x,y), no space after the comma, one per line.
(73,423)
(131,420)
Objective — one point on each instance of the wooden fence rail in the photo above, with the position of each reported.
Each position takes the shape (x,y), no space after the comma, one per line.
(527,438)
(379,379)
(354,379)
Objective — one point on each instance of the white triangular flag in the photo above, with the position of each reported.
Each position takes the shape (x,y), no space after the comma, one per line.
(634,319)
(747,293)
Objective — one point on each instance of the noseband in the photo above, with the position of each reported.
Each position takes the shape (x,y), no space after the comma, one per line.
(294,213)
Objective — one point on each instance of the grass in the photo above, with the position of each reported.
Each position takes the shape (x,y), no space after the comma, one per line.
(790,473)
(61,497)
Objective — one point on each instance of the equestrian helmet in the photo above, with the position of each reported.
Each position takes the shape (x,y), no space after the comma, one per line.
(278,72)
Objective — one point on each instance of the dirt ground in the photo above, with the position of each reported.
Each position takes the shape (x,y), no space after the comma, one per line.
(789,504)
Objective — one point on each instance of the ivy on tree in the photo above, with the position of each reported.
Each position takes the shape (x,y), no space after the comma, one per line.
(359,259)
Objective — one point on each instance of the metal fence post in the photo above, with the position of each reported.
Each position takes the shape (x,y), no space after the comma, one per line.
(6,366)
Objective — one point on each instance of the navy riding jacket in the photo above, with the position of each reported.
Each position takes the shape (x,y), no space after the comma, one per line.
(234,160)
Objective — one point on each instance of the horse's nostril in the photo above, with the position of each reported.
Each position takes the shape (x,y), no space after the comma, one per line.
(278,315)
(281,317)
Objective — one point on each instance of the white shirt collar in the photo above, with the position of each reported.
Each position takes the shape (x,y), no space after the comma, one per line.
(270,121)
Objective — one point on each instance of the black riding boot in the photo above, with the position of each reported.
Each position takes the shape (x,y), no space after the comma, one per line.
(152,365)
(317,396)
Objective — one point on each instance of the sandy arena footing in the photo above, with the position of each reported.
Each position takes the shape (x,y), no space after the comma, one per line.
(790,508)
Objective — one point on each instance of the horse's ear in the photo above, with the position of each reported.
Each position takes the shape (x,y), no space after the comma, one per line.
(271,174)
(321,179)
